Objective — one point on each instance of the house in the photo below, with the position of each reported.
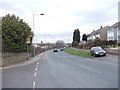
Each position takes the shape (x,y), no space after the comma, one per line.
(100,33)
(114,32)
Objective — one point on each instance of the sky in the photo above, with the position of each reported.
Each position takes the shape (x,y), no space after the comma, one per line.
(62,17)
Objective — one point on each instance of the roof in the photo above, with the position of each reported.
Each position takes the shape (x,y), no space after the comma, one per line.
(97,31)
(116,25)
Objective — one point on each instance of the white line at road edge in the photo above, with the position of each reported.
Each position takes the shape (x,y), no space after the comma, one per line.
(33,85)
(84,67)
(101,62)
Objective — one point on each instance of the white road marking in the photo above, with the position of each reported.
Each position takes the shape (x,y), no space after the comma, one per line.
(85,67)
(35,74)
(67,56)
(33,85)
(37,63)
(102,62)
(35,69)
(88,68)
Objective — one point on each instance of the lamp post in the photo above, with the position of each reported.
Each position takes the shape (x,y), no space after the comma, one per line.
(46,41)
(34,26)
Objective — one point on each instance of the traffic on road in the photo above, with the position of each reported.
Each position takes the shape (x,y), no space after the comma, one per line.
(63,70)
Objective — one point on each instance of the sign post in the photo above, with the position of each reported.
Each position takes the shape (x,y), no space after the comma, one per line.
(84,42)
(27,42)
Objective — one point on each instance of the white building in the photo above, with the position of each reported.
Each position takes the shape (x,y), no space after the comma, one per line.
(114,32)
(110,34)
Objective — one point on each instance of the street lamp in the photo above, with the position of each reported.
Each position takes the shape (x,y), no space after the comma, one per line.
(34,20)
(34,25)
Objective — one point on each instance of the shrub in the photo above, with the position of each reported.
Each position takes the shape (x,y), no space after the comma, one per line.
(81,46)
(75,44)
(92,45)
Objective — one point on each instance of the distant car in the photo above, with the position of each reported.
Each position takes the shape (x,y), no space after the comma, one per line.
(55,50)
(61,49)
(97,51)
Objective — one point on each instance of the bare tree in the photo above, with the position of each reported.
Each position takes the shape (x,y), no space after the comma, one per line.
(59,44)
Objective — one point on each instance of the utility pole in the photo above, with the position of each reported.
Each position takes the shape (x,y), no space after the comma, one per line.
(34,29)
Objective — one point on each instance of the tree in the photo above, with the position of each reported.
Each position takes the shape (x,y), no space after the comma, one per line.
(15,32)
(97,41)
(84,37)
(59,44)
(76,35)
(75,44)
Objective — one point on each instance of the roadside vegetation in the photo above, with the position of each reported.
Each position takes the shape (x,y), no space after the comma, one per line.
(82,53)
(14,33)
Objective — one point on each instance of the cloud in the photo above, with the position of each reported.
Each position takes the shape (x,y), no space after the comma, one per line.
(63,16)
(14,8)
(104,14)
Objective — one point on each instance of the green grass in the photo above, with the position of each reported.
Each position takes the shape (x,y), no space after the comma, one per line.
(82,53)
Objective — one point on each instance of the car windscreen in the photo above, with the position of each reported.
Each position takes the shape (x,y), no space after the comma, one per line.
(98,49)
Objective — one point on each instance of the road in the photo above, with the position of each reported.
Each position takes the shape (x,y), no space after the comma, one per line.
(62,70)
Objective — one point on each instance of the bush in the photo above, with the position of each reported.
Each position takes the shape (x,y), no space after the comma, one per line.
(75,44)
(88,47)
(118,44)
(92,45)
(14,33)
(81,46)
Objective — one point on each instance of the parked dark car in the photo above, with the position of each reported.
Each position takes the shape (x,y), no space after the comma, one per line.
(55,50)
(97,51)
(61,49)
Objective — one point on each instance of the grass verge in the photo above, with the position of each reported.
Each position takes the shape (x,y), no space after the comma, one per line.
(82,53)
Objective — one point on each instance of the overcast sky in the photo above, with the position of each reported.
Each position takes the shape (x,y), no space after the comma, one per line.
(61,17)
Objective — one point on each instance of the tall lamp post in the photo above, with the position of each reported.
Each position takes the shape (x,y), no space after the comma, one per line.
(34,26)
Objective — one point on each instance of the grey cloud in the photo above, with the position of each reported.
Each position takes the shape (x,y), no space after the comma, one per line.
(64,34)
(11,7)
(98,16)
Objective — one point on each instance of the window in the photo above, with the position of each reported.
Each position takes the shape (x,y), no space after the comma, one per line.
(119,37)
(110,30)
(111,38)
(93,37)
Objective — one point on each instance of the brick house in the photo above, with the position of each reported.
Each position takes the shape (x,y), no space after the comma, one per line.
(100,33)
(114,32)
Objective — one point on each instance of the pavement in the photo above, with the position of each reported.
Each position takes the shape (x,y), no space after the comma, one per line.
(31,60)
(62,70)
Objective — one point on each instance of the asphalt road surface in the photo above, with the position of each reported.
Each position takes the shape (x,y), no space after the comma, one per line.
(62,70)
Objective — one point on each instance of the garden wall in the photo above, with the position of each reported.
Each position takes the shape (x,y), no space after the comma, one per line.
(10,58)
(115,51)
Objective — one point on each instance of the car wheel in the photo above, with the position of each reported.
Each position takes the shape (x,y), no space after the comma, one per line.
(94,55)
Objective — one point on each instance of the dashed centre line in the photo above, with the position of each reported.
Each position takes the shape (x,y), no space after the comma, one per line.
(33,85)
(35,74)
(35,69)
(37,63)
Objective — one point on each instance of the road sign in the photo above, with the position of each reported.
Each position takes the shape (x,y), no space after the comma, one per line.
(84,42)
(28,40)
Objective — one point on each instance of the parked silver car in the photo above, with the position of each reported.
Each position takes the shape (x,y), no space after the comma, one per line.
(97,51)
